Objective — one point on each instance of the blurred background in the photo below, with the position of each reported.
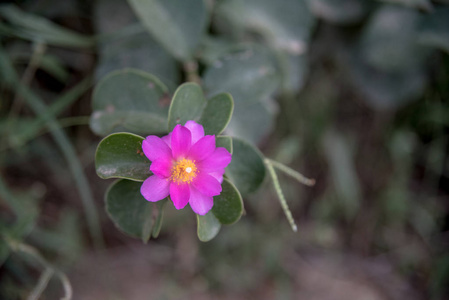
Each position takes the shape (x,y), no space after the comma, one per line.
(352,93)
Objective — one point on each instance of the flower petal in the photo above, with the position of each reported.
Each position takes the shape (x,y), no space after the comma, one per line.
(197,130)
(179,194)
(180,141)
(167,139)
(162,166)
(154,147)
(219,160)
(203,148)
(154,188)
(200,203)
(218,175)
(207,184)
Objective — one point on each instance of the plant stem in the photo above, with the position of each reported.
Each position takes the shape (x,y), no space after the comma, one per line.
(280,194)
(292,173)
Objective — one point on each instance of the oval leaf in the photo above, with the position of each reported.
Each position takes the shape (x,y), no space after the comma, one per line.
(217,114)
(225,142)
(187,104)
(228,206)
(129,211)
(120,155)
(246,170)
(129,100)
(159,216)
(208,226)
(250,75)
(176,24)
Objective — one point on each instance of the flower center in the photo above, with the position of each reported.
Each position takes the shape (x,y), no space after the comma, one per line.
(183,171)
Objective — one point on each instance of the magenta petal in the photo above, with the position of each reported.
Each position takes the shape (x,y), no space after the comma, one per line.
(179,194)
(154,147)
(196,130)
(207,184)
(162,166)
(220,159)
(154,188)
(203,148)
(200,203)
(180,141)
(167,139)
(218,175)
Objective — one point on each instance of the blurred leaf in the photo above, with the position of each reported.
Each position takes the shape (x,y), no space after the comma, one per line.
(178,25)
(339,11)
(208,226)
(389,41)
(4,249)
(386,90)
(127,208)
(25,208)
(285,24)
(39,29)
(120,155)
(434,29)
(160,214)
(246,170)
(225,142)
(129,100)
(187,104)
(217,114)
(420,4)
(249,75)
(228,206)
(343,173)
(126,44)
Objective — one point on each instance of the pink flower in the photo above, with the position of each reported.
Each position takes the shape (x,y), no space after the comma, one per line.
(187,166)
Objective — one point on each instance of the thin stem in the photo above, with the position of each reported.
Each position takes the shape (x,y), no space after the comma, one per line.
(17,246)
(191,70)
(280,194)
(41,284)
(296,175)
(28,74)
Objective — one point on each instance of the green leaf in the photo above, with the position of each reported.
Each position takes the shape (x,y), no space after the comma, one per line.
(340,11)
(187,104)
(177,25)
(129,100)
(160,213)
(217,114)
(250,75)
(4,249)
(285,24)
(385,90)
(127,208)
(225,142)
(246,170)
(389,41)
(39,29)
(433,29)
(208,226)
(125,43)
(228,206)
(120,155)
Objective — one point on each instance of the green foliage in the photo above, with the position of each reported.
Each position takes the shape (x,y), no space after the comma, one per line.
(176,24)
(246,170)
(228,206)
(129,100)
(120,155)
(130,212)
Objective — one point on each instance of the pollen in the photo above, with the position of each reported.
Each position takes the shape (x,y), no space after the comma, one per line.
(183,171)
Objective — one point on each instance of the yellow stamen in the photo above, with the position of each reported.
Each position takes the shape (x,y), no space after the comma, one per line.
(183,171)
